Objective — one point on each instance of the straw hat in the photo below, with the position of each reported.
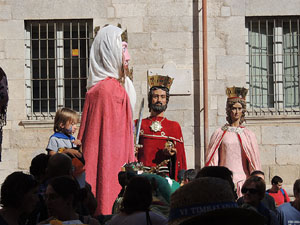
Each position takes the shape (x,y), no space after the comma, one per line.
(229,216)
(200,196)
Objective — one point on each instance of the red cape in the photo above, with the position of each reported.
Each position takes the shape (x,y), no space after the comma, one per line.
(154,142)
(107,139)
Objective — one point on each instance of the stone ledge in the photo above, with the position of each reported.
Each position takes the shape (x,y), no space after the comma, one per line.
(36,123)
(39,123)
(273,119)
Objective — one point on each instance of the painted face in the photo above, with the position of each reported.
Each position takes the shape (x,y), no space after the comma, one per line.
(159,100)
(56,205)
(236,112)
(251,194)
(70,127)
(125,53)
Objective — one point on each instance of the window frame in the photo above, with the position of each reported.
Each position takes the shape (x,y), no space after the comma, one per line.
(275,63)
(59,77)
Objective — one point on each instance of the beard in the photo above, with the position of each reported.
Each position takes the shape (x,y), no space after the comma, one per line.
(158,107)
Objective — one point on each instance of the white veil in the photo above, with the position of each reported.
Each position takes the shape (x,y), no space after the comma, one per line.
(106,60)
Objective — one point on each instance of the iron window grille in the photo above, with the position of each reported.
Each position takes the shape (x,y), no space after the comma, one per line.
(272,62)
(56,65)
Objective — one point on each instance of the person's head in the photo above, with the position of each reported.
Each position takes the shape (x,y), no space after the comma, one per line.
(125,53)
(3,89)
(59,165)
(3,97)
(107,57)
(258,173)
(137,196)
(296,189)
(65,121)
(89,201)
(235,110)
(19,191)
(122,178)
(276,183)
(160,186)
(38,166)
(180,176)
(198,197)
(2,73)
(254,190)
(163,171)
(236,104)
(158,98)
(189,175)
(220,172)
(62,195)
(126,56)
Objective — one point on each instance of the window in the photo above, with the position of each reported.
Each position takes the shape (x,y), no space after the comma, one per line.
(272,46)
(56,65)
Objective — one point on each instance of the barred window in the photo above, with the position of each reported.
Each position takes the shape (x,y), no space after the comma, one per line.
(56,64)
(272,46)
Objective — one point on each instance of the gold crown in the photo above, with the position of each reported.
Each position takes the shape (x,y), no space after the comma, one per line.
(236,92)
(160,81)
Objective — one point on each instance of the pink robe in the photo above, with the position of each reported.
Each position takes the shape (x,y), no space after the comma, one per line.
(106,132)
(236,150)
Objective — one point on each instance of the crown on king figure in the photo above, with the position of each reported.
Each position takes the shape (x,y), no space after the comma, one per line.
(160,81)
(236,92)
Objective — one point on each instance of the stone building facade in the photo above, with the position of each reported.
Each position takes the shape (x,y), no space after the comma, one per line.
(163,35)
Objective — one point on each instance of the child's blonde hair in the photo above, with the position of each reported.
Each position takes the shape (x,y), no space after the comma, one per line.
(64,115)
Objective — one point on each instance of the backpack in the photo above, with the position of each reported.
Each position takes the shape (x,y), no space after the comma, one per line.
(282,192)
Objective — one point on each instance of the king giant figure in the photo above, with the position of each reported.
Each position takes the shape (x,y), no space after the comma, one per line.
(161,138)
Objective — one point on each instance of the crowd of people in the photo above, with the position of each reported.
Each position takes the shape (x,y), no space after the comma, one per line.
(51,193)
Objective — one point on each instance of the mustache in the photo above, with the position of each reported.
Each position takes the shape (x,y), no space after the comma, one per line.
(158,107)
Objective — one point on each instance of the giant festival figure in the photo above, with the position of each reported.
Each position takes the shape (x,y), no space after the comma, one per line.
(161,139)
(233,145)
(106,129)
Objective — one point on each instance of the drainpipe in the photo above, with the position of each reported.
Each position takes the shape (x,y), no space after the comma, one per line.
(197,85)
(205,76)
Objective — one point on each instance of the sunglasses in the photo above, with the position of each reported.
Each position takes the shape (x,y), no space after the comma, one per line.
(250,190)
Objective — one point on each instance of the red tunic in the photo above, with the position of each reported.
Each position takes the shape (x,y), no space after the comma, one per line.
(154,142)
(107,139)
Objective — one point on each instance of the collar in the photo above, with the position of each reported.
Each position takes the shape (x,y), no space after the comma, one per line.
(63,136)
(156,118)
(229,128)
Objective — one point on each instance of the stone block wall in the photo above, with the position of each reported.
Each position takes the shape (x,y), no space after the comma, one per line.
(158,32)
(278,137)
